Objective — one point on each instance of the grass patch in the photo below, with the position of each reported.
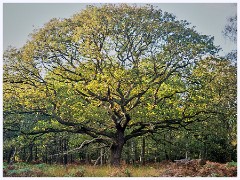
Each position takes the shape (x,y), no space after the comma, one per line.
(72,170)
(150,170)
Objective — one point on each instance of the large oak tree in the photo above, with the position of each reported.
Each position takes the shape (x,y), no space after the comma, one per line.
(108,72)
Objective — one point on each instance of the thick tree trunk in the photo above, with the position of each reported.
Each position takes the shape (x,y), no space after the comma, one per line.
(115,156)
(116,149)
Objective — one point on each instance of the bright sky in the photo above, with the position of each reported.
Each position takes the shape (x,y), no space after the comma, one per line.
(19,20)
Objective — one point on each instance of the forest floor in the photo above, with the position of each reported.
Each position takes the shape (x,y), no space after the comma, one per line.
(163,169)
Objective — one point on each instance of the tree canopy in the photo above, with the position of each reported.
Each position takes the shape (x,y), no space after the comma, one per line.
(114,73)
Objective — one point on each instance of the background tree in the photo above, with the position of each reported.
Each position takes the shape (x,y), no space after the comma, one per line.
(230,32)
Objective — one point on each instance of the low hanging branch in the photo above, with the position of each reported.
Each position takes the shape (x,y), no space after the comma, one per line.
(84,143)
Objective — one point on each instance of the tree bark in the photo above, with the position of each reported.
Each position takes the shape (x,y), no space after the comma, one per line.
(116,148)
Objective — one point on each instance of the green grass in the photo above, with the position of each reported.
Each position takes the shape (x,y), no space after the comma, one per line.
(72,170)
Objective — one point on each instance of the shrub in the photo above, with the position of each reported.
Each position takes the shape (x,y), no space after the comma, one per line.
(232,164)
(127,172)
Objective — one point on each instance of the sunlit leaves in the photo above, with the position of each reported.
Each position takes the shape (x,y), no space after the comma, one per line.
(106,63)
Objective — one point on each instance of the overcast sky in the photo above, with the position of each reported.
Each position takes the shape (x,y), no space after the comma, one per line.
(19,20)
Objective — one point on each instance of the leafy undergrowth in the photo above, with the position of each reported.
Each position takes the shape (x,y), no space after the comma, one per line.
(163,169)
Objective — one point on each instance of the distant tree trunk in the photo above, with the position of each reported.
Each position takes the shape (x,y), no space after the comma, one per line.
(186,155)
(13,156)
(205,148)
(205,152)
(155,156)
(134,151)
(10,155)
(30,157)
(82,156)
(71,158)
(65,151)
(24,155)
(105,156)
(60,151)
(165,151)
(36,154)
(46,154)
(128,152)
(187,152)
(170,154)
(200,155)
(101,156)
(143,151)
(50,159)
(166,155)
(87,159)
